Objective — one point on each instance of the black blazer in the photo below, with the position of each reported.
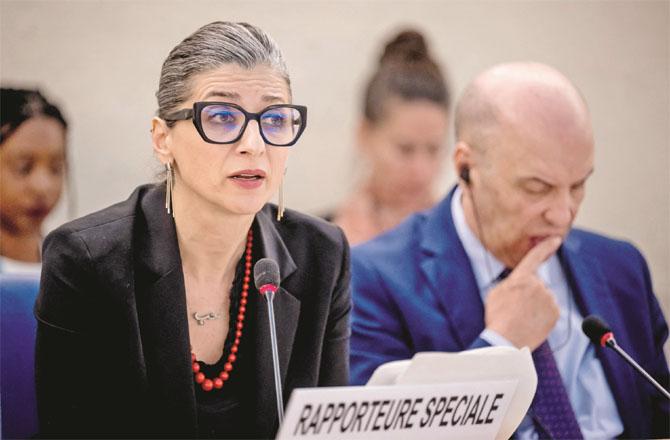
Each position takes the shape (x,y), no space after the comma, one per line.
(112,354)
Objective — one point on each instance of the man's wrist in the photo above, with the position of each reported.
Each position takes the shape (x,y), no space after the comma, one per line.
(495,339)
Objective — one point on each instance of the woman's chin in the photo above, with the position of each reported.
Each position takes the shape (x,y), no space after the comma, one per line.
(244,207)
(224,201)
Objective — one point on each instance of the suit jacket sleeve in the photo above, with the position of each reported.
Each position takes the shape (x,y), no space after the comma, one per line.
(657,366)
(63,377)
(335,360)
(378,334)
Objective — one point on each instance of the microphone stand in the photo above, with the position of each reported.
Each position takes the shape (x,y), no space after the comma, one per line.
(269,296)
(611,343)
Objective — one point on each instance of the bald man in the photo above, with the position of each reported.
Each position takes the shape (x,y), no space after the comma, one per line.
(498,262)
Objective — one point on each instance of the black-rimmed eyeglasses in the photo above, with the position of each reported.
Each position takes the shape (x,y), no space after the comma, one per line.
(224,123)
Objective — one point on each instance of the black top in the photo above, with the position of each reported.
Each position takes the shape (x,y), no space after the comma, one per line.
(113,350)
(221,413)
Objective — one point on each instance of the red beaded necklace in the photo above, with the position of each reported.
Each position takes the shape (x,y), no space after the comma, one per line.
(217,382)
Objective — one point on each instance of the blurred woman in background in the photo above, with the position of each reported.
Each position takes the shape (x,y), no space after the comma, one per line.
(32,175)
(401,137)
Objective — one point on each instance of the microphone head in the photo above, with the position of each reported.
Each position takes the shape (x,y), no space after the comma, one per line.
(595,329)
(266,273)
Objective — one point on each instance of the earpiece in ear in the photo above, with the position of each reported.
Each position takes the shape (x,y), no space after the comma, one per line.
(465,174)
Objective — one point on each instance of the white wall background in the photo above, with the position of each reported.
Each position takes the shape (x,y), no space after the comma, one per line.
(101,60)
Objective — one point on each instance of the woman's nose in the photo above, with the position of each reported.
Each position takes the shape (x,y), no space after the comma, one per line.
(251,141)
(42,182)
(422,167)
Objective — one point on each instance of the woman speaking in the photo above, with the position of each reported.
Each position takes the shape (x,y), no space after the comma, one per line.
(149,321)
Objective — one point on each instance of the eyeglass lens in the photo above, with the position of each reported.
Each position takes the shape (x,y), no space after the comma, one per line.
(223,123)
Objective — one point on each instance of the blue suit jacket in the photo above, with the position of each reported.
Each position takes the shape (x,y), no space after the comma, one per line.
(414,290)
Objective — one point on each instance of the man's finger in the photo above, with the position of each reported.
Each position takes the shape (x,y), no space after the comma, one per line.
(537,255)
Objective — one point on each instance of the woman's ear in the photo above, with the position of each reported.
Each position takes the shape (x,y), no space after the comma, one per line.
(160,138)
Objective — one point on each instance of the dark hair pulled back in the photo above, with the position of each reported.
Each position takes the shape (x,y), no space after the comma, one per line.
(19,105)
(406,70)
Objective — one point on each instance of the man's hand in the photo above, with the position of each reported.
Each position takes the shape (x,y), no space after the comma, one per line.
(521,308)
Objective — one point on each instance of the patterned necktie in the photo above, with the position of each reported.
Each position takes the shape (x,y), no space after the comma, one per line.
(551,410)
(553,415)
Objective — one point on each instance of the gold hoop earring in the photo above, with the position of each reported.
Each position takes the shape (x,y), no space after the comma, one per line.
(169,185)
(280,207)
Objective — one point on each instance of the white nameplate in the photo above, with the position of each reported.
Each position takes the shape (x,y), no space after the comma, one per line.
(447,410)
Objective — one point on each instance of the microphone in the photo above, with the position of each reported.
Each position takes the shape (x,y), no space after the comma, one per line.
(600,334)
(266,280)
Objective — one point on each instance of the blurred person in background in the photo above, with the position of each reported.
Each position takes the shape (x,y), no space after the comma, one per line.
(401,138)
(32,175)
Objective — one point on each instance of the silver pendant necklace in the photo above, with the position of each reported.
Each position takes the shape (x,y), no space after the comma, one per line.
(201,319)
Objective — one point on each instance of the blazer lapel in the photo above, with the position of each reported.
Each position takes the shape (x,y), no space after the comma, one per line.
(287,313)
(448,273)
(592,295)
(161,309)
